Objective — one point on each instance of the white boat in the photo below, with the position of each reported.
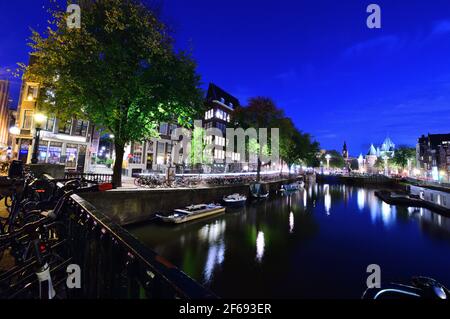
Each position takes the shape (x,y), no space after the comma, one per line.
(293,187)
(192,212)
(235,200)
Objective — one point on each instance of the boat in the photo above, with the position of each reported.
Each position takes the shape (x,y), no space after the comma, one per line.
(235,200)
(419,288)
(179,216)
(289,188)
(259,190)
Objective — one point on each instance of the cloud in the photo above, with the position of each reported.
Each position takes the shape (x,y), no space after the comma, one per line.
(290,75)
(441,27)
(386,43)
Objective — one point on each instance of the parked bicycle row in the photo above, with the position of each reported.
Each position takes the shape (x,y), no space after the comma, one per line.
(33,237)
(160,181)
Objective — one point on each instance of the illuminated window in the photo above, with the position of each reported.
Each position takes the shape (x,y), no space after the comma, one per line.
(27,119)
(32,92)
(81,128)
(65,127)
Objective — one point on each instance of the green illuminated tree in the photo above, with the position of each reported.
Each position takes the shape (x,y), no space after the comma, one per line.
(119,70)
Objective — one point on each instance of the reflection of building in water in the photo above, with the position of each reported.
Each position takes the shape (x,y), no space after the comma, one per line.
(260,244)
(431,223)
(291,222)
(215,257)
(212,232)
(361,198)
(327,198)
(388,213)
(305,197)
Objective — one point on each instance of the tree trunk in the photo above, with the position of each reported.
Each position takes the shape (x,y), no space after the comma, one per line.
(258,171)
(117,172)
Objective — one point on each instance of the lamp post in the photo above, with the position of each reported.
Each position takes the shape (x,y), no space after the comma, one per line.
(39,118)
(328,157)
(386,171)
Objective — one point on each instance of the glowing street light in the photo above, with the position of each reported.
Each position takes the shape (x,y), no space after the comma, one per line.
(14,130)
(39,119)
(111,136)
(328,157)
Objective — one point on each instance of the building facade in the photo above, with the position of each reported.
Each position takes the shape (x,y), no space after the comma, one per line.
(433,156)
(367,164)
(61,142)
(4,114)
(157,154)
(220,106)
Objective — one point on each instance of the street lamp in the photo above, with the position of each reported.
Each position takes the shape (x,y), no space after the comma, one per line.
(328,157)
(14,130)
(385,165)
(39,118)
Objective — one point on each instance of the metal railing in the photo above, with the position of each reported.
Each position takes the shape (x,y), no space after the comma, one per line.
(93,177)
(114,264)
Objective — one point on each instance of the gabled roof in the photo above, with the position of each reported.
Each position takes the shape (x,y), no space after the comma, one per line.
(372,150)
(216,93)
(387,145)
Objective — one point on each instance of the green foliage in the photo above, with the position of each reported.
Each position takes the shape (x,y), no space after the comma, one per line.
(402,155)
(199,154)
(119,70)
(336,159)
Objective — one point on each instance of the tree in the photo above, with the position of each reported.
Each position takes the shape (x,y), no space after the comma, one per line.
(119,70)
(295,147)
(336,159)
(404,154)
(261,112)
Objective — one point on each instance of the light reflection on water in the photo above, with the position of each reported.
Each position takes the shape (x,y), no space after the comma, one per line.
(293,246)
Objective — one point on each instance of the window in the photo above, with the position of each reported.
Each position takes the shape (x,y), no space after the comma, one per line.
(138,151)
(163,127)
(49,124)
(32,92)
(54,152)
(65,127)
(27,119)
(209,114)
(220,140)
(219,154)
(71,155)
(81,128)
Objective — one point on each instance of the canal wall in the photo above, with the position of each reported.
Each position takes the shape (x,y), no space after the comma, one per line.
(138,205)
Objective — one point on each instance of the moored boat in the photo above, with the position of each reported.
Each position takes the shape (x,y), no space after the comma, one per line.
(259,190)
(289,188)
(179,216)
(235,200)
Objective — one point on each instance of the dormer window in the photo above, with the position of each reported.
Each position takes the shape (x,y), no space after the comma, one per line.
(231,105)
(32,93)
(222,100)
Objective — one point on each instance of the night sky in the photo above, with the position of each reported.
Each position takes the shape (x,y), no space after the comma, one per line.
(317,59)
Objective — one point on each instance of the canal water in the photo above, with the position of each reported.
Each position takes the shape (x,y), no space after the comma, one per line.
(316,243)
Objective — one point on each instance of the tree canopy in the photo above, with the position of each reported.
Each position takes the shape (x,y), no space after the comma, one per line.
(119,70)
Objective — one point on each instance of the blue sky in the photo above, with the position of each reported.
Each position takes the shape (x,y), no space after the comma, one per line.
(317,59)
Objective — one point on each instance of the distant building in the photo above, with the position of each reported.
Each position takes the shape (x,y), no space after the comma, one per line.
(367,164)
(4,113)
(433,156)
(61,142)
(345,151)
(220,107)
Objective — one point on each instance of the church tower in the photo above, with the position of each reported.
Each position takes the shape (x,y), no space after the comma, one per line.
(345,151)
